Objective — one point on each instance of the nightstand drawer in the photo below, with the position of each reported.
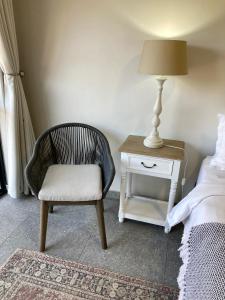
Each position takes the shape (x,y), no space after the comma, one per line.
(151,165)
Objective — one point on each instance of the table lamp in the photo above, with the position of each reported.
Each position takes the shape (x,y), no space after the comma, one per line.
(162,58)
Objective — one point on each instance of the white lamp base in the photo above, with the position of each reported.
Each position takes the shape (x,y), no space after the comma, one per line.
(153,142)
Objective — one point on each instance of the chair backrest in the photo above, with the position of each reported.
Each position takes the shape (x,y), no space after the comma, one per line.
(73,143)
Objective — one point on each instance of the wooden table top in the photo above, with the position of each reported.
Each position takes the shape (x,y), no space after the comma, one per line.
(134,144)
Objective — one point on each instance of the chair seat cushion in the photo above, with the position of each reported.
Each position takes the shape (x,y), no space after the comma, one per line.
(72,183)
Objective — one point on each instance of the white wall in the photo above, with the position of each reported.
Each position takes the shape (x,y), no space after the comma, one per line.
(80,59)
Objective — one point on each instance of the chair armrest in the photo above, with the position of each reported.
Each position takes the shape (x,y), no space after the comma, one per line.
(108,170)
(37,167)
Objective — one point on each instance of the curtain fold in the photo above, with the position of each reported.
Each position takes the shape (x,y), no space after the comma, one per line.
(18,131)
(2,173)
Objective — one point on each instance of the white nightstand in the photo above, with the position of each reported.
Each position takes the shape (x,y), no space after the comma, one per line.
(164,162)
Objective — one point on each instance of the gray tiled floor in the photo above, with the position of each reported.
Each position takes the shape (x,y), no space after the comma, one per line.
(135,248)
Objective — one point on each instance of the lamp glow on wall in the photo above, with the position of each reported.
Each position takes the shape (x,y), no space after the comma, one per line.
(162,58)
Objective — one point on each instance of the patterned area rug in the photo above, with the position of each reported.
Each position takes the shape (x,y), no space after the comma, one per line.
(30,275)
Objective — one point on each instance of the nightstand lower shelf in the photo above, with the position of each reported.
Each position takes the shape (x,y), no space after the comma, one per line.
(145,209)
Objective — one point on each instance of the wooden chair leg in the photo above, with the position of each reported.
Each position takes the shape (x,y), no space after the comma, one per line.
(43,224)
(103,207)
(51,209)
(101,223)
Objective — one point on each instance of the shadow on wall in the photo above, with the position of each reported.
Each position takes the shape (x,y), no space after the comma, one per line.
(193,160)
(203,64)
(198,56)
(201,93)
(41,54)
(197,112)
(131,92)
(115,141)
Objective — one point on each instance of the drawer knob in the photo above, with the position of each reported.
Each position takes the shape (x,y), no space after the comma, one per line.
(148,167)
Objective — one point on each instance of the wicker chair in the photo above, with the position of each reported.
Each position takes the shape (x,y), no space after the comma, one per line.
(70,163)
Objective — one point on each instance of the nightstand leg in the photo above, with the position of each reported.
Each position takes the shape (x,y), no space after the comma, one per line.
(166,230)
(129,184)
(122,197)
(173,188)
(172,196)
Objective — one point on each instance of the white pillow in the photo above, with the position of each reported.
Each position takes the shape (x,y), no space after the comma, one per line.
(218,160)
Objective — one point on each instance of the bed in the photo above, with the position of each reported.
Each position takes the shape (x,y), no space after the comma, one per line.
(202,275)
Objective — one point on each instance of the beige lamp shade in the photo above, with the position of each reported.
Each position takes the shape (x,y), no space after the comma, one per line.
(164,57)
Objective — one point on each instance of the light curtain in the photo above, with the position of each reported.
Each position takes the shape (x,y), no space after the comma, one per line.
(16,127)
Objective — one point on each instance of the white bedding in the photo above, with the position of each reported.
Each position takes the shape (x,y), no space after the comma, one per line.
(212,209)
(204,204)
(210,174)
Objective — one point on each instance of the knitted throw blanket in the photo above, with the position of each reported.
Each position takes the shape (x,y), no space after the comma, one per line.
(202,275)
